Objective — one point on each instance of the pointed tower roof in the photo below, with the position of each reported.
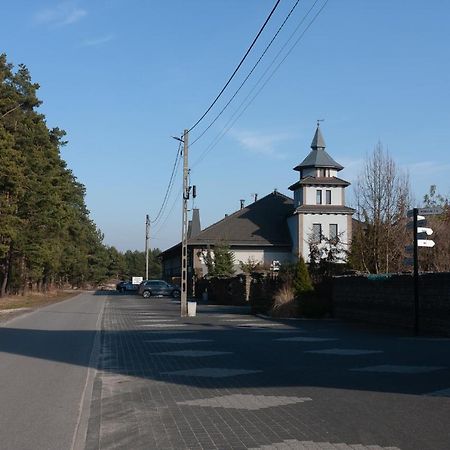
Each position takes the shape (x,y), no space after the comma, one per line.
(318,157)
(318,140)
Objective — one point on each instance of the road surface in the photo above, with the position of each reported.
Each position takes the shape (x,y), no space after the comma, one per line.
(44,367)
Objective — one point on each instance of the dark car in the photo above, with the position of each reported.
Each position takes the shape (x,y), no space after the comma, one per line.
(150,288)
(124,286)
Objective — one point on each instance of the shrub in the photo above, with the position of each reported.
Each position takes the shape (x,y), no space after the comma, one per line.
(302,281)
(285,304)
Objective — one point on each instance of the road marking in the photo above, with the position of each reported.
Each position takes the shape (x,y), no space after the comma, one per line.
(441,393)
(180,340)
(211,372)
(398,369)
(192,353)
(344,351)
(290,444)
(306,339)
(245,401)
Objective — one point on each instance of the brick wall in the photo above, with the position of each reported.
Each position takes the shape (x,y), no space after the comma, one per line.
(389,300)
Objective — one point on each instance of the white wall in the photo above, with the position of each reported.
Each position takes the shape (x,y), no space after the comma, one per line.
(325,220)
(264,256)
(336,195)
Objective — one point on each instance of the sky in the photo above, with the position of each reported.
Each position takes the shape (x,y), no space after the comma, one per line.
(123,77)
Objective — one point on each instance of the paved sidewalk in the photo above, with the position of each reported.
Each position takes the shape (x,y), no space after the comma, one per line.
(225,380)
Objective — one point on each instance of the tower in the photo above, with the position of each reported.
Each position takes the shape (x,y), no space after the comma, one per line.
(319,199)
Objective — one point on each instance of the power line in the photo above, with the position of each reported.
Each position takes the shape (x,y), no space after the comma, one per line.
(237,68)
(233,119)
(169,213)
(248,75)
(169,186)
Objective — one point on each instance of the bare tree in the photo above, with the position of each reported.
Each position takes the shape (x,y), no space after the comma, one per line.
(437,259)
(383,196)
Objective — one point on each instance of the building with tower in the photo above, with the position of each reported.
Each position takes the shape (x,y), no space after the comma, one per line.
(276,227)
(320,214)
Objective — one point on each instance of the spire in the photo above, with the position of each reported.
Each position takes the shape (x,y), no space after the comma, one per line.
(318,157)
(318,141)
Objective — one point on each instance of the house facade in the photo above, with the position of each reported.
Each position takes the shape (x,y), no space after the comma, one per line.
(276,227)
(257,232)
(321,217)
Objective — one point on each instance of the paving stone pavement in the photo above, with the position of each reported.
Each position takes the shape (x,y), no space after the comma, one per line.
(228,380)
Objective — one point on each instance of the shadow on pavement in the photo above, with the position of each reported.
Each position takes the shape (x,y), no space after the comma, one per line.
(271,358)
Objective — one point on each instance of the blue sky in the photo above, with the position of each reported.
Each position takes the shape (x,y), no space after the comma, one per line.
(122,77)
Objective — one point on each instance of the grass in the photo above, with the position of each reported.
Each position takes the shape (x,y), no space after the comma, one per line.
(34,300)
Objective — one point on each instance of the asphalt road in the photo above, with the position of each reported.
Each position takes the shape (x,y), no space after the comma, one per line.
(44,373)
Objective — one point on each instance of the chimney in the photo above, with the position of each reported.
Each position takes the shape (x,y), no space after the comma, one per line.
(242,203)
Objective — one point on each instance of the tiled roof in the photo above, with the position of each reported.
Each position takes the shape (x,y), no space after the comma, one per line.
(320,181)
(324,209)
(262,223)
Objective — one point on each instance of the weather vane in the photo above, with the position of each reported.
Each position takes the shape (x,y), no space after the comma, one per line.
(318,122)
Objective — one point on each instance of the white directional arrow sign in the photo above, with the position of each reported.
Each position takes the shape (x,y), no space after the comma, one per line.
(425,243)
(425,230)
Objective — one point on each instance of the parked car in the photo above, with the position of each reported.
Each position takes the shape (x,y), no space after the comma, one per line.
(124,286)
(151,288)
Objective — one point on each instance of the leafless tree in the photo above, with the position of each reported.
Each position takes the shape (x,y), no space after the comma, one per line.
(382,197)
(437,259)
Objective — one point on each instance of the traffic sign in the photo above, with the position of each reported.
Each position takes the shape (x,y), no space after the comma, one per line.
(427,231)
(420,221)
(435,210)
(425,243)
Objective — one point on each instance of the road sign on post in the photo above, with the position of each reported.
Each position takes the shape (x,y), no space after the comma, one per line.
(420,239)
(425,243)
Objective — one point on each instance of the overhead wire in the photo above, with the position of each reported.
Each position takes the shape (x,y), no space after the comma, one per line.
(248,75)
(237,68)
(169,186)
(233,119)
(177,197)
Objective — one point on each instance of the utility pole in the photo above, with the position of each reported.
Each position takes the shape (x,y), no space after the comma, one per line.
(183,298)
(147,238)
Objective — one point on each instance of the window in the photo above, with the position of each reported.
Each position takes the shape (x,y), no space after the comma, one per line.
(333,231)
(322,172)
(318,197)
(317,232)
(328,197)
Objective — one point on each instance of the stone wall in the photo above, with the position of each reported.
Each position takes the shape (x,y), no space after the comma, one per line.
(389,300)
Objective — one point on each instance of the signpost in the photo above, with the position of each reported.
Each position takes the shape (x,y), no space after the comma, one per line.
(420,239)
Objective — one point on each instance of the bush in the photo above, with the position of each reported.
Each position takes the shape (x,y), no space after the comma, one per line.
(284,304)
(302,281)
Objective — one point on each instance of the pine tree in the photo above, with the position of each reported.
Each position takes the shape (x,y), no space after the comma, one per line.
(221,263)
